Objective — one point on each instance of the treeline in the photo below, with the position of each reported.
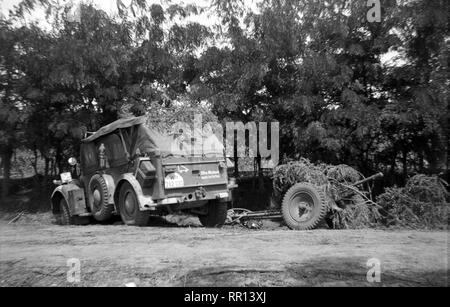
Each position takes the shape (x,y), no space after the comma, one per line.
(317,67)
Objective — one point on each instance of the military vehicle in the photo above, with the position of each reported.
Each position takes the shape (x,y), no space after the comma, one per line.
(131,170)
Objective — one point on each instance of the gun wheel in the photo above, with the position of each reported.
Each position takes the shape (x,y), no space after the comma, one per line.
(304,206)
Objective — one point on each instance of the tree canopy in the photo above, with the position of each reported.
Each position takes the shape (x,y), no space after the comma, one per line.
(316,67)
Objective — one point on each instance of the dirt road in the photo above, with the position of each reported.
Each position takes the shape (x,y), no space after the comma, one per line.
(114,255)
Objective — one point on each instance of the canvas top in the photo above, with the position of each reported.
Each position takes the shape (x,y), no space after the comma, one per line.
(146,139)
(118,124)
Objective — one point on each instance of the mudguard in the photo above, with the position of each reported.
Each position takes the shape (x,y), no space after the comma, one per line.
(111,187)
(74,196)
(145,202)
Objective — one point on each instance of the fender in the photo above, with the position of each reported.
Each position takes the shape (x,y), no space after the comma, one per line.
(111,187)
(145,202)
(74,196)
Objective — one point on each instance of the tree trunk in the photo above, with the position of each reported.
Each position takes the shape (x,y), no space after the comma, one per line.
(53,164)
(392,176)
(405,165)
(6,157)
(58,161)
(47,167)
(421,164)
(35,161)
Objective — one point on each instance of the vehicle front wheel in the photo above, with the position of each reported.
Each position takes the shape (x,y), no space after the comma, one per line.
(129,207)
(63,217)
(216,215)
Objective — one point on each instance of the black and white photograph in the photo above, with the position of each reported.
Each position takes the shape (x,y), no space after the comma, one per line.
(224,148)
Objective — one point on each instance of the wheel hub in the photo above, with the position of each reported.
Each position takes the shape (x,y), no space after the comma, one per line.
(97,197)
(302,207)
(130,203)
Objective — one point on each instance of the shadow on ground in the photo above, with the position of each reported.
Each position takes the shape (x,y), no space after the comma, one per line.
(323,272)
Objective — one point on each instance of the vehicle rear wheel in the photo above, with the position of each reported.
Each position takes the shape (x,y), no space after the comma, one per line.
(304,206)
(216,216)
(64,218)
(129,207)
(101,209)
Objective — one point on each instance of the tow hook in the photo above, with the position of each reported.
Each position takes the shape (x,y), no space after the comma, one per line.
(200,193)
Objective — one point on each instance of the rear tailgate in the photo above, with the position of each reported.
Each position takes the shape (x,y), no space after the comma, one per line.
(179,173)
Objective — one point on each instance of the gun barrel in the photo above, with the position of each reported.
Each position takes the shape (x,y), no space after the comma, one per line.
(373,177)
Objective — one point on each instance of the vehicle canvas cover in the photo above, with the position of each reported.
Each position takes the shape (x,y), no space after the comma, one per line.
(137,137)
(118,124)
(118,152)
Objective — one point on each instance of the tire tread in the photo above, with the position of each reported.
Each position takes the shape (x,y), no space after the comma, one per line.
(106,210)
(314,222)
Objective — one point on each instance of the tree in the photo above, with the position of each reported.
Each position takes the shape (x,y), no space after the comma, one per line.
(83,72)
(11,117)
(317,68)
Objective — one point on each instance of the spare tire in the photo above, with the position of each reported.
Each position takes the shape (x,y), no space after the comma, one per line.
(304,206)
(98,199)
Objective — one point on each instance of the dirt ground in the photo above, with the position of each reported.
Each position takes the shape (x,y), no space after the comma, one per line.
(36,254)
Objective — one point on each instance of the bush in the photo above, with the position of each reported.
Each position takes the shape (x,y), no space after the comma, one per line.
(356,214)
(286,175)
(422,203)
